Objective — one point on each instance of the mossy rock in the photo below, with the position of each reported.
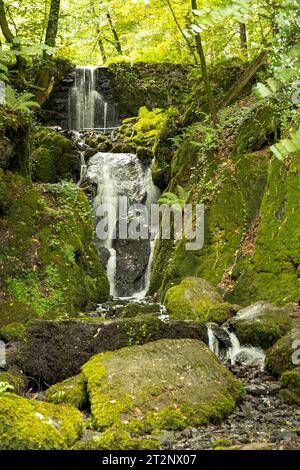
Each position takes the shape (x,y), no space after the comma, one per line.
(117,439)
(71,391)
(15,312)
(173,384)
(290,386)
(53,157)
(49,263)
(261,324)
(16,379)
(134,310)
(32,425)
(284,355)
(12,332)
(191,299)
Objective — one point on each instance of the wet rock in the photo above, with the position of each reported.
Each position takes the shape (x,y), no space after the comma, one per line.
(256,390)
(55,350)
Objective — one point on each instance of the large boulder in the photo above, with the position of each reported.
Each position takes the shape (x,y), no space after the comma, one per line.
(49,263)
(55,350)
(29,424)
(163,385)
(285,353)
(196,299)
(261,324)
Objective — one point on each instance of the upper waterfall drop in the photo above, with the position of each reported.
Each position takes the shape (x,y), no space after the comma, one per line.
(88,106)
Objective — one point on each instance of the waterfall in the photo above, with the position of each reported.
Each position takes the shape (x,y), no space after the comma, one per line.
(235,354)
(115,175)
(88,106)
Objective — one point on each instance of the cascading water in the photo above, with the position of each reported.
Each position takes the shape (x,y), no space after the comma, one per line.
(128,260)
(235,353)
(88,107)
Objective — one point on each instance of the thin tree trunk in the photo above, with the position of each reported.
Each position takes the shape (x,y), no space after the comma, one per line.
(243,38)
(182,33)
(9,37)
(209,95)
(46,77)
(236,89)
(115,34)
(102,49)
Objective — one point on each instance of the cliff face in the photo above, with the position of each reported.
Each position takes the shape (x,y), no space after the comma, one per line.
(251,249)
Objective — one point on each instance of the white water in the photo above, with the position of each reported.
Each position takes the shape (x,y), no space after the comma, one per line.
(120,175)
(236,354)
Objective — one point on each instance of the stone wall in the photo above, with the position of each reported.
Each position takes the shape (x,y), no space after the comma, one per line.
(129,86)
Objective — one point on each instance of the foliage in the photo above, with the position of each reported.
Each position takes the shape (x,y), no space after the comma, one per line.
(5,387)
(23,102)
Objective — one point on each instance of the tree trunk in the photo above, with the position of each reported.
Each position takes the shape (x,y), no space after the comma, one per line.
(46,77)
(243,38)
(236,89)
(115,34)
(102,49)
(182,33)
(209,95)
(10,38)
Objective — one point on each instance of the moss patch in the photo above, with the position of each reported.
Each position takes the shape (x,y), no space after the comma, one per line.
(284,354)
(173,384)
(290,386)
(28,424)
(48,260)
(71,391)
(12,332)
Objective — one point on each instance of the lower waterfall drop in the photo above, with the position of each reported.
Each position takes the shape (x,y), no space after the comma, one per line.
(127,261)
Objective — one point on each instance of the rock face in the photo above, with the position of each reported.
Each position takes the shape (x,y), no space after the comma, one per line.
(132,263)
(173,384)
(49,263)
(29,424)
(55,350)
(261,324)
(196,299)
(285,353)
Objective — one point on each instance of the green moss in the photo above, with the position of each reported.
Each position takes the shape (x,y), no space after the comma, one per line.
(118,439)
(193,299)
(12,332)
(48,260)
(264,329)
(273,273)
(16,379)
(71,391)
(217,444)
(144,333)
(158,395)
(28,424)
(284,354)
(133,310)
(290,386)
(52,157)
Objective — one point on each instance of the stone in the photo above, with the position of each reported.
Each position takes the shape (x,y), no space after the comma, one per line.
(55,350)
(256,389)
(195,299)
(71,391)
(173,384)
(285,353)
(261,324)
(32,425)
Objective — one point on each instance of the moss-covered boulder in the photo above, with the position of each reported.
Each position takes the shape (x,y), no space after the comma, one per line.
(172,384)
(29,424)
(12,332)
(49,265)
(290,386)
(261,324)
(53,157)
(193,299)
(284,355)
(15,378)
(134,310)
(71,391)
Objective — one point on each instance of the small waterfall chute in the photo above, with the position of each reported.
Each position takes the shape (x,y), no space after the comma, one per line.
(123,175)
(235,353)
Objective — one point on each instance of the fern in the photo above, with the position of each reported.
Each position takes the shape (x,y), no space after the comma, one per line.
(172,199)
(287,146)
(23,102)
